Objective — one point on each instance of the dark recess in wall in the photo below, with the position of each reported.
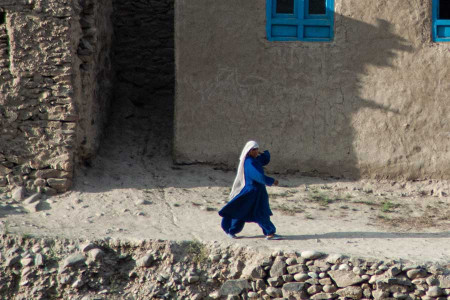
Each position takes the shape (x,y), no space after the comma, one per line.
(142,106)
(143,51)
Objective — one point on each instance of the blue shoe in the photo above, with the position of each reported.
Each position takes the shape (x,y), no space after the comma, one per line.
(274,237)
(231,236)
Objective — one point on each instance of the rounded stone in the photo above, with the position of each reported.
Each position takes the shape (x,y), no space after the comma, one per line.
(18,194)
(301,277)
(291,261)
(277,253)
(77,284)
(96,254)
(311,254)
(435,291)
(432,281)
(383,268)
(215,258)
(274,292)
(328,288)
(314,289)
(335,258)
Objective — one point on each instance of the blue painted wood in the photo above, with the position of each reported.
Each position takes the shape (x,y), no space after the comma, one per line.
(299,26)
(317,31)
(318,22)
(301,14)
(269,20)
(443,31)
(284,31)
(440,27)
(285,21)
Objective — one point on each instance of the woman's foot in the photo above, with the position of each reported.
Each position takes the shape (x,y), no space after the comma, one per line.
(231,236)
(274,237)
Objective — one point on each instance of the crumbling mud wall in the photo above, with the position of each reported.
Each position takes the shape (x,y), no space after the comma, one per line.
(58,80)
(373,103)
(113,269)
(55,82)
(94,74)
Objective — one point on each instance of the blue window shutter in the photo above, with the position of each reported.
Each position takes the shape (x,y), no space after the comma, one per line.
(440,27)
(281,27)
(300,26)
(319,27)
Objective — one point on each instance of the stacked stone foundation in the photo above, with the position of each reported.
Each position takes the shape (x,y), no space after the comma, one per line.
(113,269)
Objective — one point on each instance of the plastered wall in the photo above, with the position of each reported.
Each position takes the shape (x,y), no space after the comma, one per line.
(372,103)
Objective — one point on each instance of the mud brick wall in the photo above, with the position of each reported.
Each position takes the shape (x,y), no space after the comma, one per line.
(94,74)
(54,87)
(372,103)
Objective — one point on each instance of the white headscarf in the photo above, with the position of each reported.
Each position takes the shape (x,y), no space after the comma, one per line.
(239,181)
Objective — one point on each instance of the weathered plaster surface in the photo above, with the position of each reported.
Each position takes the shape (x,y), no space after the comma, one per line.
(372,103)
(93,76)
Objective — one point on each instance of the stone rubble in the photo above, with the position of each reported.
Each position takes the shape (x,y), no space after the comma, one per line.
(43,268)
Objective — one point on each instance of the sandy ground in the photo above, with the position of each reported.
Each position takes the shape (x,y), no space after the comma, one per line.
(131,190)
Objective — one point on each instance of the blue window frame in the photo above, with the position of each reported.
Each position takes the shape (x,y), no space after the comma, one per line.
(300,20)
(441,20)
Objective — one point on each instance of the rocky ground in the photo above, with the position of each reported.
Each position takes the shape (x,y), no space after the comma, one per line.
(114,269)
(132,191)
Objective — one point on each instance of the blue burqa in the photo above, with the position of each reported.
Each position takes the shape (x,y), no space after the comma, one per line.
(252,203)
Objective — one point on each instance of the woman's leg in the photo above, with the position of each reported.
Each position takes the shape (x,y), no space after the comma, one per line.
(236,226)
(226,224)
(267,226)
(232,226)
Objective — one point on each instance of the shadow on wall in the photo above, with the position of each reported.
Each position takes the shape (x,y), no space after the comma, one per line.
(316,130)
(374,46)
(304,101)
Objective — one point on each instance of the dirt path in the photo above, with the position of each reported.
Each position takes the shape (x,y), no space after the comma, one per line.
(133,191)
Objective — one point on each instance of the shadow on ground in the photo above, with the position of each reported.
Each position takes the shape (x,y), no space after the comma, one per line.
(362,235)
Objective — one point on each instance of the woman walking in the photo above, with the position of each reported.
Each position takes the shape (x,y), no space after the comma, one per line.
(249,201)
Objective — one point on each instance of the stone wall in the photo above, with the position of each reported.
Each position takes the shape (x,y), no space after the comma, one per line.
(112,269)
(372,103)
(58,80)
(55,88)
